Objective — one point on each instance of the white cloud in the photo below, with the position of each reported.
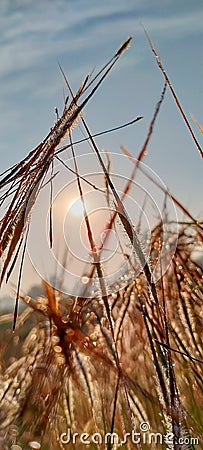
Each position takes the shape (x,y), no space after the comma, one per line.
(78,34)
(35,33)
(175,26)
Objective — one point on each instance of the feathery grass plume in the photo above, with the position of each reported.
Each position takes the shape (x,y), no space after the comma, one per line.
(167,390)
(28,176)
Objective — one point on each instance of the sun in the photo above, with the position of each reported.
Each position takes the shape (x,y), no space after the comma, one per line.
(76,208)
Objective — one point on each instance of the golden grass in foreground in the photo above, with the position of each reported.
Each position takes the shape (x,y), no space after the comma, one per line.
(59,370)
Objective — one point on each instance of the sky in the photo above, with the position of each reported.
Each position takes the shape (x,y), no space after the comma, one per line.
(80,35)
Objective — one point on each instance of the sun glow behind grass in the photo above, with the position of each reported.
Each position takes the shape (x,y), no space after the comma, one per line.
(76,208)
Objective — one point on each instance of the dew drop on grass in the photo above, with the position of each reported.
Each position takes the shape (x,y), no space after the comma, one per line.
(57,349)
(85,280)
(34,445)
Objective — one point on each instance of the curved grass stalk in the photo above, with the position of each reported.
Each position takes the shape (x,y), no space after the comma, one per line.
(29,174)
(158,60)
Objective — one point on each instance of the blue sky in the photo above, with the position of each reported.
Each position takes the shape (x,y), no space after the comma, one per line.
(82,34)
